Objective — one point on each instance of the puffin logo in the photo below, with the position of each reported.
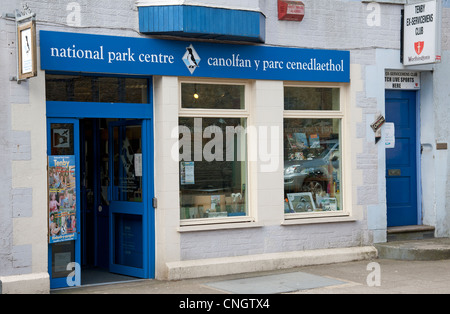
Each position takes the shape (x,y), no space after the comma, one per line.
(191,59)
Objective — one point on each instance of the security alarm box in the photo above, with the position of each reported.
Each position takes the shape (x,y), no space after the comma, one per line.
(290,10)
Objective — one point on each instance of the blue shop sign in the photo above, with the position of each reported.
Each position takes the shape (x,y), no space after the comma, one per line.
(74,52)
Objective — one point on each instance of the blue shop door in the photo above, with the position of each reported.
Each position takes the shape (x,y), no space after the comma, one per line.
(401,161)
(63,177)
(130,206)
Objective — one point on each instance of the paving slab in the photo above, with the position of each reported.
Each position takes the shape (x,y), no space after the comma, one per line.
(279,283)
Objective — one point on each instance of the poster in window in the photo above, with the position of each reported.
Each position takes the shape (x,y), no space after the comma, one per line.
(314,141)
(61,138)
(291,140)
(301,202)
(187,172)
(301,139)
(62,218)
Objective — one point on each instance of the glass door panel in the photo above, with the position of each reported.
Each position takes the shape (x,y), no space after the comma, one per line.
(128,217)
(127,163)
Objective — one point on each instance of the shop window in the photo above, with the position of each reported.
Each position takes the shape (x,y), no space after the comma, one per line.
(307,98)
(212,96)
(312,150)
(96,89)
(213,152)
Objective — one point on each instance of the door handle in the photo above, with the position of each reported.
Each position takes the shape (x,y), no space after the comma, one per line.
(425,145)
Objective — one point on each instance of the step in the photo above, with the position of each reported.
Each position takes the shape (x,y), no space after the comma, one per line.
(415,250)
(266,262)
(404,233)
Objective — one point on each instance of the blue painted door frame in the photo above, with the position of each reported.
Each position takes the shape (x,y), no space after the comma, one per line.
(73,276)
(401,161)
(71,112)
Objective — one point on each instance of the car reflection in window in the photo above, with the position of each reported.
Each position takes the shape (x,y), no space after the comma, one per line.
(314,173)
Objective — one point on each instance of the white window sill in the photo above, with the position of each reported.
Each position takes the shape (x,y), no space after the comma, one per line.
(218,224)
(211,224)
(316,218)
(386,1)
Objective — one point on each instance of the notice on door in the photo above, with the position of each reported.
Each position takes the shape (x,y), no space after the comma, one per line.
(138,165)
(404,80)
(389,135)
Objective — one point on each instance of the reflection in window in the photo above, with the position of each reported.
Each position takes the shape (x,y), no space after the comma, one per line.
(312,159)
(96,89)
(63,253)
(212,96)
(213,167)
(127,163)
(307,98)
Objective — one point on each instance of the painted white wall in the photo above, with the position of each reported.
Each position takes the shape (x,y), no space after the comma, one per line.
(167,215)
(267,179)
(437,131)
(428,160)
(30,229)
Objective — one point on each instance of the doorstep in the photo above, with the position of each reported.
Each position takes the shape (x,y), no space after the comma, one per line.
(415,250)
(413,243)
(404,233)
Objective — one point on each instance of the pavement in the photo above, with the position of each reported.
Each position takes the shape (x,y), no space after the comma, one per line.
(377,276)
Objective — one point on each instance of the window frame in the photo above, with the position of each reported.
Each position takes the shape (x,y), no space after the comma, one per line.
(340,114)
(219,113)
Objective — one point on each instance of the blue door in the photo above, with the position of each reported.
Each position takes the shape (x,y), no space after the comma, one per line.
(63,202)
(401,161)
(129,205)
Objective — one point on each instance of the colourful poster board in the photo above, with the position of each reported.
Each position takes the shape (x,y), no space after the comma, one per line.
(62,218)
